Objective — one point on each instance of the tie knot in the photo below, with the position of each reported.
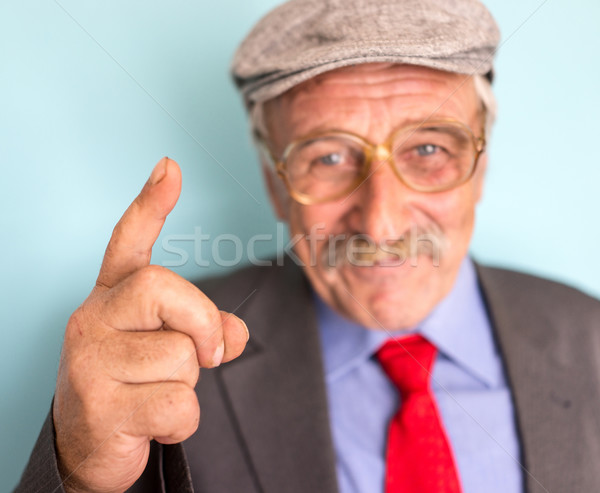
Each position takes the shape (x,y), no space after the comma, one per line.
(407,362)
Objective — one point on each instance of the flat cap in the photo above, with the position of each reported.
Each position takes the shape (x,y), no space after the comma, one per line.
(303,38)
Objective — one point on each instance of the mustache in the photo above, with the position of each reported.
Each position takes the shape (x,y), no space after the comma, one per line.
(363,251)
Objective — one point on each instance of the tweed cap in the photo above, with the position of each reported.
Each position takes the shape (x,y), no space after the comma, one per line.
(303,38)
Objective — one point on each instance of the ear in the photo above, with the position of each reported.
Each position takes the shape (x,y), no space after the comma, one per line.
(479,177)
(278,194)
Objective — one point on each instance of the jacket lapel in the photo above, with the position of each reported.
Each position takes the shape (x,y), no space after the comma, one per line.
(548,401)
(277,391)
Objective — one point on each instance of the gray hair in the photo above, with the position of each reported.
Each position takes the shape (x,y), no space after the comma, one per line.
(483,89)
(485,93)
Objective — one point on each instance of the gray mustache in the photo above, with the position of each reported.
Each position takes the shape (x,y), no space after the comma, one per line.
(363,251)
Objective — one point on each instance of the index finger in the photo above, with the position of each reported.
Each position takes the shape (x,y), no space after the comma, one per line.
(130,247)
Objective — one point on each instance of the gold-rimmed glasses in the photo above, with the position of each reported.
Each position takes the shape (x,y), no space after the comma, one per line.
(433,156)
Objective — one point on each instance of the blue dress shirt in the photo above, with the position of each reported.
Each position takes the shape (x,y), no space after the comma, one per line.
(467,379)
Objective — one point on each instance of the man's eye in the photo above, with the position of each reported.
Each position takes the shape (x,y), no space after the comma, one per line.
(427,149)
(330,159)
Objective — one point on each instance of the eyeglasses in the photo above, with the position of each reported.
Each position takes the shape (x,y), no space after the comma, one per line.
(429,157)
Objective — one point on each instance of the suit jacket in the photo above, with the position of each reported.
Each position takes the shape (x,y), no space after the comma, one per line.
(265,426)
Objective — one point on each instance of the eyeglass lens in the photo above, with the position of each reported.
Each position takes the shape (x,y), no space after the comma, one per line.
(427,158)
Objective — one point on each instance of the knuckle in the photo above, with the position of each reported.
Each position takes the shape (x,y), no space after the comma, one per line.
(157,420)
(183,402)
(150,274)
(76,318)
(83,323)
(179,412)
(189,412)
(75,325)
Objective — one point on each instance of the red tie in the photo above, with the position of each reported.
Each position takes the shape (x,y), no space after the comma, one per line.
(419,458)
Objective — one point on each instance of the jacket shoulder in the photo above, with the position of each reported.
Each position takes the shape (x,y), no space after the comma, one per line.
(537,286)
(531,295)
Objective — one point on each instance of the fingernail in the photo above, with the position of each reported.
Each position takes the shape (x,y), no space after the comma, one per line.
(218,356)
(245,327)
(247,331)
(159,172)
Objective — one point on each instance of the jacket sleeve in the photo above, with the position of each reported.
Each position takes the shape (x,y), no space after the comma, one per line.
(41,473)
(167,470)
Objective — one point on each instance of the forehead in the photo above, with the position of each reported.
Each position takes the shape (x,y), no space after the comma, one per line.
(364,97)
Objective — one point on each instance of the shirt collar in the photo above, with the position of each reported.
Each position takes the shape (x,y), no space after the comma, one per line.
(458,326)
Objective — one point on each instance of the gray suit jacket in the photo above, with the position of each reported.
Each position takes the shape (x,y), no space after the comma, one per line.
(264,425)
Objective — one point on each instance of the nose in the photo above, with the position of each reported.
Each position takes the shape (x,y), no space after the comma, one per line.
(383,202)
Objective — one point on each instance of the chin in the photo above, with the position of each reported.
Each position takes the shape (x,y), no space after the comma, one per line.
(393,311)
(382,297)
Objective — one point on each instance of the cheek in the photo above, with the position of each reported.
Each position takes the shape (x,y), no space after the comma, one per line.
(304,218)
(316,223)
(454,212)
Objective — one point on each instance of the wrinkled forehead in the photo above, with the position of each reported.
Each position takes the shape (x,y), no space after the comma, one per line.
(381,80)
(403,94)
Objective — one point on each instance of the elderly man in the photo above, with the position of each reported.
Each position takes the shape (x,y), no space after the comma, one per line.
(389,361)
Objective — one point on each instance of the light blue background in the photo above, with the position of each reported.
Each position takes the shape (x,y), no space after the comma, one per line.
(92,98)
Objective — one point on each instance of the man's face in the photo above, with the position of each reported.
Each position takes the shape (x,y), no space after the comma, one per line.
(372,100)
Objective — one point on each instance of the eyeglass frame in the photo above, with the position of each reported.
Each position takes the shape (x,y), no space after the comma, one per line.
(371,152)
